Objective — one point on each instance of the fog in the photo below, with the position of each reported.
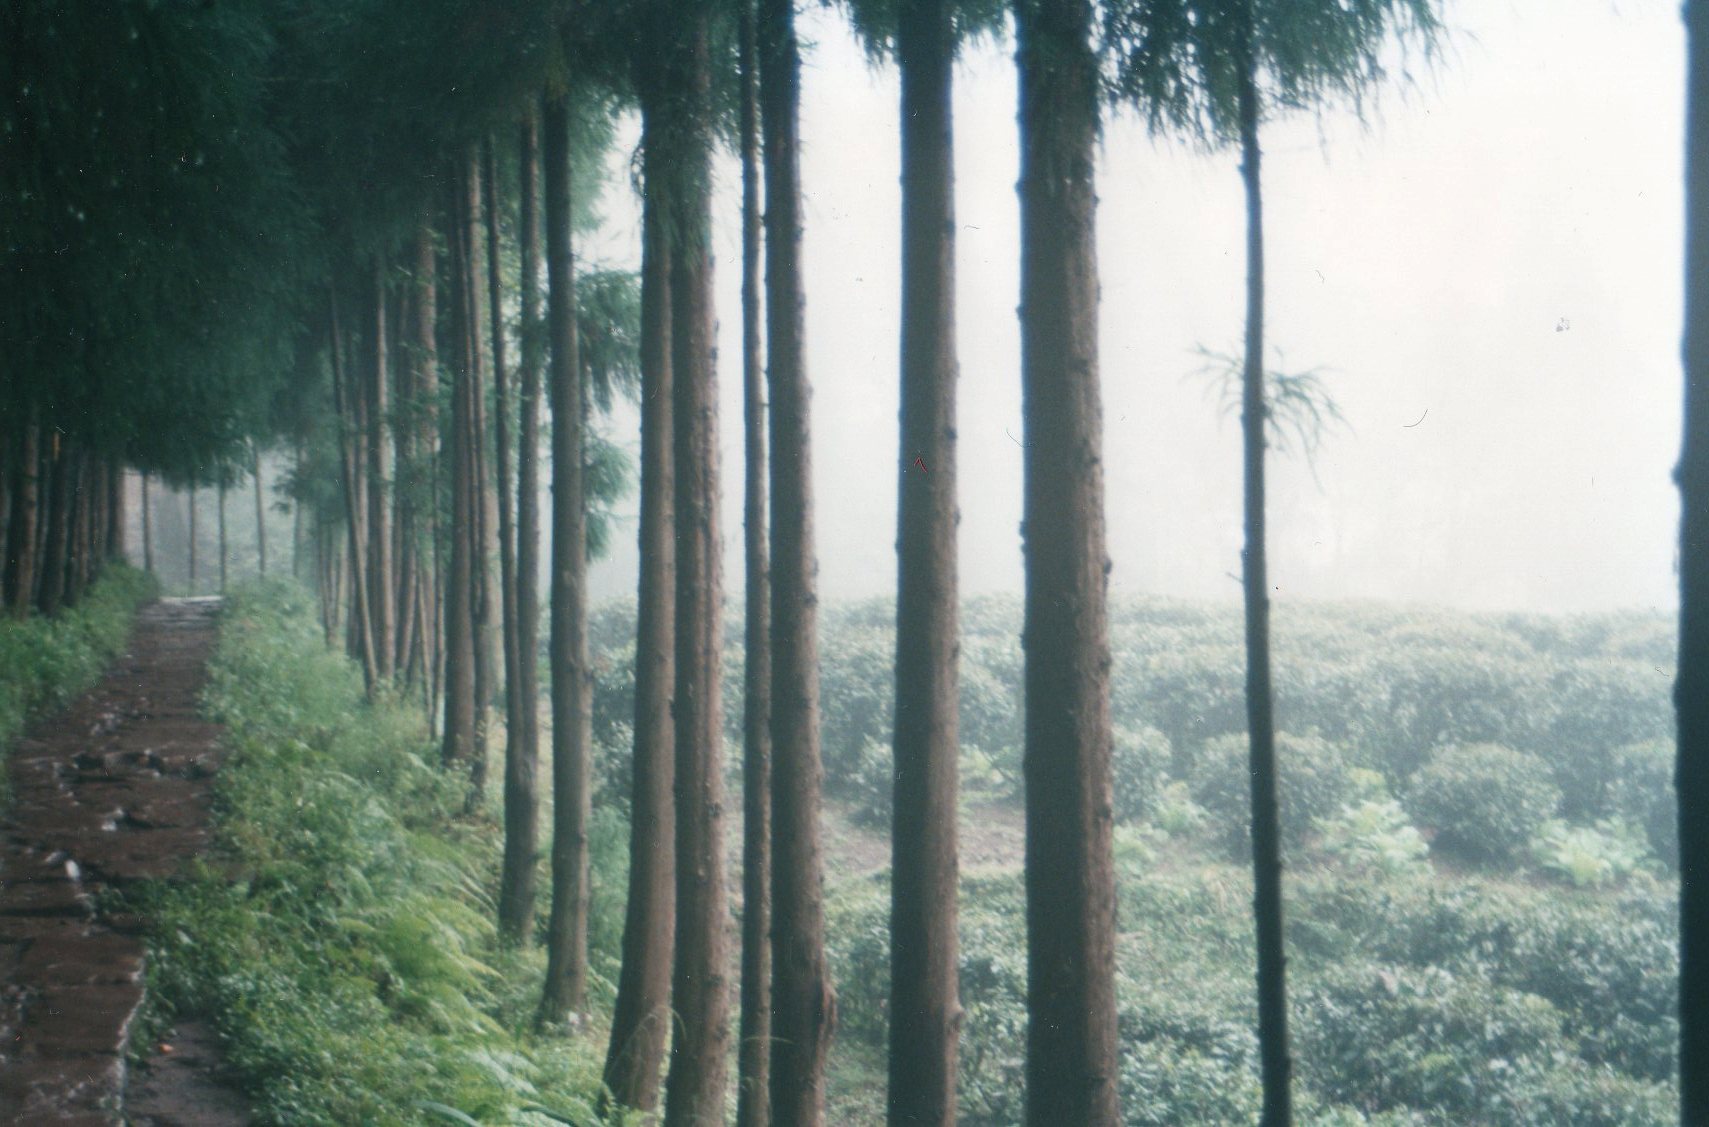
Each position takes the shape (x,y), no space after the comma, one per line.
(1487,273)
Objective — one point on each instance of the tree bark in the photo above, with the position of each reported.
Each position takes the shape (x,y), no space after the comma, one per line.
(700,994)
(753,1103)
(1691,688)
(925,1010)
(1260,715)
(113,540)
(642,1015)
(147,529)
(515,733)
(566,940)
(345,396)
(56,547)
(521,787)
(190,499)
(21,537)
(260,514)
(487,658)
(220,514)
(1071,1065)
(804,1002)
(458,746)
(380,593)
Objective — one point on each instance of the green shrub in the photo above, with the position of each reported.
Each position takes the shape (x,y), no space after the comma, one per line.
(1374,835)
(1414,701)
(1642,793)
(1485,802)
(1140,764)
(1595,707)
(1313,779)
(1384,1037)
(1589,856)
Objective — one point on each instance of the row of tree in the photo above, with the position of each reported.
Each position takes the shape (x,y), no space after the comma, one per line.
(380,200)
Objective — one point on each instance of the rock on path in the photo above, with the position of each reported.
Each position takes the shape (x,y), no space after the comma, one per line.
(114,790)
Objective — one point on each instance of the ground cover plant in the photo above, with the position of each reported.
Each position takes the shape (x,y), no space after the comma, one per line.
(45,662)
(341,935)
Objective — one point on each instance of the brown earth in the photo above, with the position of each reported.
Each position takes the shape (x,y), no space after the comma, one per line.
(113,790)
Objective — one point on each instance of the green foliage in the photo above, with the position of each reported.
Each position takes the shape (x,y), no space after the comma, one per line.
(1642,793)
(1484,802)
(353,970)
(1374,835)
(1312,776)
(46,662)
(1596,707)
(1589,856)
(1140,765)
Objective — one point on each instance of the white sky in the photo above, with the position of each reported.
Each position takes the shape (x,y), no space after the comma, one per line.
(1497,253)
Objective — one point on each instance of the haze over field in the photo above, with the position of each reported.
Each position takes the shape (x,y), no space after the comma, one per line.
(1489,280)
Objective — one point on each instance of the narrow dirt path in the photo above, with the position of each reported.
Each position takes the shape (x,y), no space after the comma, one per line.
(113,790)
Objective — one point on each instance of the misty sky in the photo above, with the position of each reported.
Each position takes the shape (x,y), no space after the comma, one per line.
(1497,254)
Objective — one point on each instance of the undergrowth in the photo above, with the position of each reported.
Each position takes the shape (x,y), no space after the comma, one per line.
(351,967)
(47,662)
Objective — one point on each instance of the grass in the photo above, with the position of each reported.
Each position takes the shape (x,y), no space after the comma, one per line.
(352,969)
(46,662)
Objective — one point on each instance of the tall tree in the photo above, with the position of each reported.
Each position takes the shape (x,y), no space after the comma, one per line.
(461,702)
(753,1101)
(925,1010)
(566,939)
(1071,1065)
(521,788)
(1691,688)
(21,537)
(640,1020)
(381,597)
(804,1002)
(260,512)
(1213,67)
(700,993)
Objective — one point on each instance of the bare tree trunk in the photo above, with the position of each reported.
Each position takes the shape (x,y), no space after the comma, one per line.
(222,530)
(566,940)
(458,747)
(700,987)
(113,545)
(642,1015)
(147,529)
(190,499)
(1691,689)
(484,506)
(1260,716)
(521,785)
(21,539)
(345,396)
(56,552)
(753,1104)
(804,1002)
(515,728)
(1070,878)
(383,628)
(925,1009)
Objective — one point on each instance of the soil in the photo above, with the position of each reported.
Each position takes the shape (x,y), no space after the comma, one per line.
(114,790)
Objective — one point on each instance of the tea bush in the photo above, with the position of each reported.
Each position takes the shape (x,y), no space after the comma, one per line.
(1485,802)
(1642,793)
(1312,777)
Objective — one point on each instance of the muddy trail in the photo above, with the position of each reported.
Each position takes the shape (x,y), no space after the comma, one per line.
(115,789)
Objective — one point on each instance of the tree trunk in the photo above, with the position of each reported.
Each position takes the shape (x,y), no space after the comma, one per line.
(484,506)
(221,522)
(1691,689)
(753,1106)
(260,514)
(147,529)
(804,1002)
(424,366)
(566,940)
(700,987)
(191,564)
(925,1010)
(1260,716)
(642,1015)
(1071,1065)
(380,591)
(522,758)
(458,746)
(515,733)
(21,537)
(56,547)
(113,546)
(345,395)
